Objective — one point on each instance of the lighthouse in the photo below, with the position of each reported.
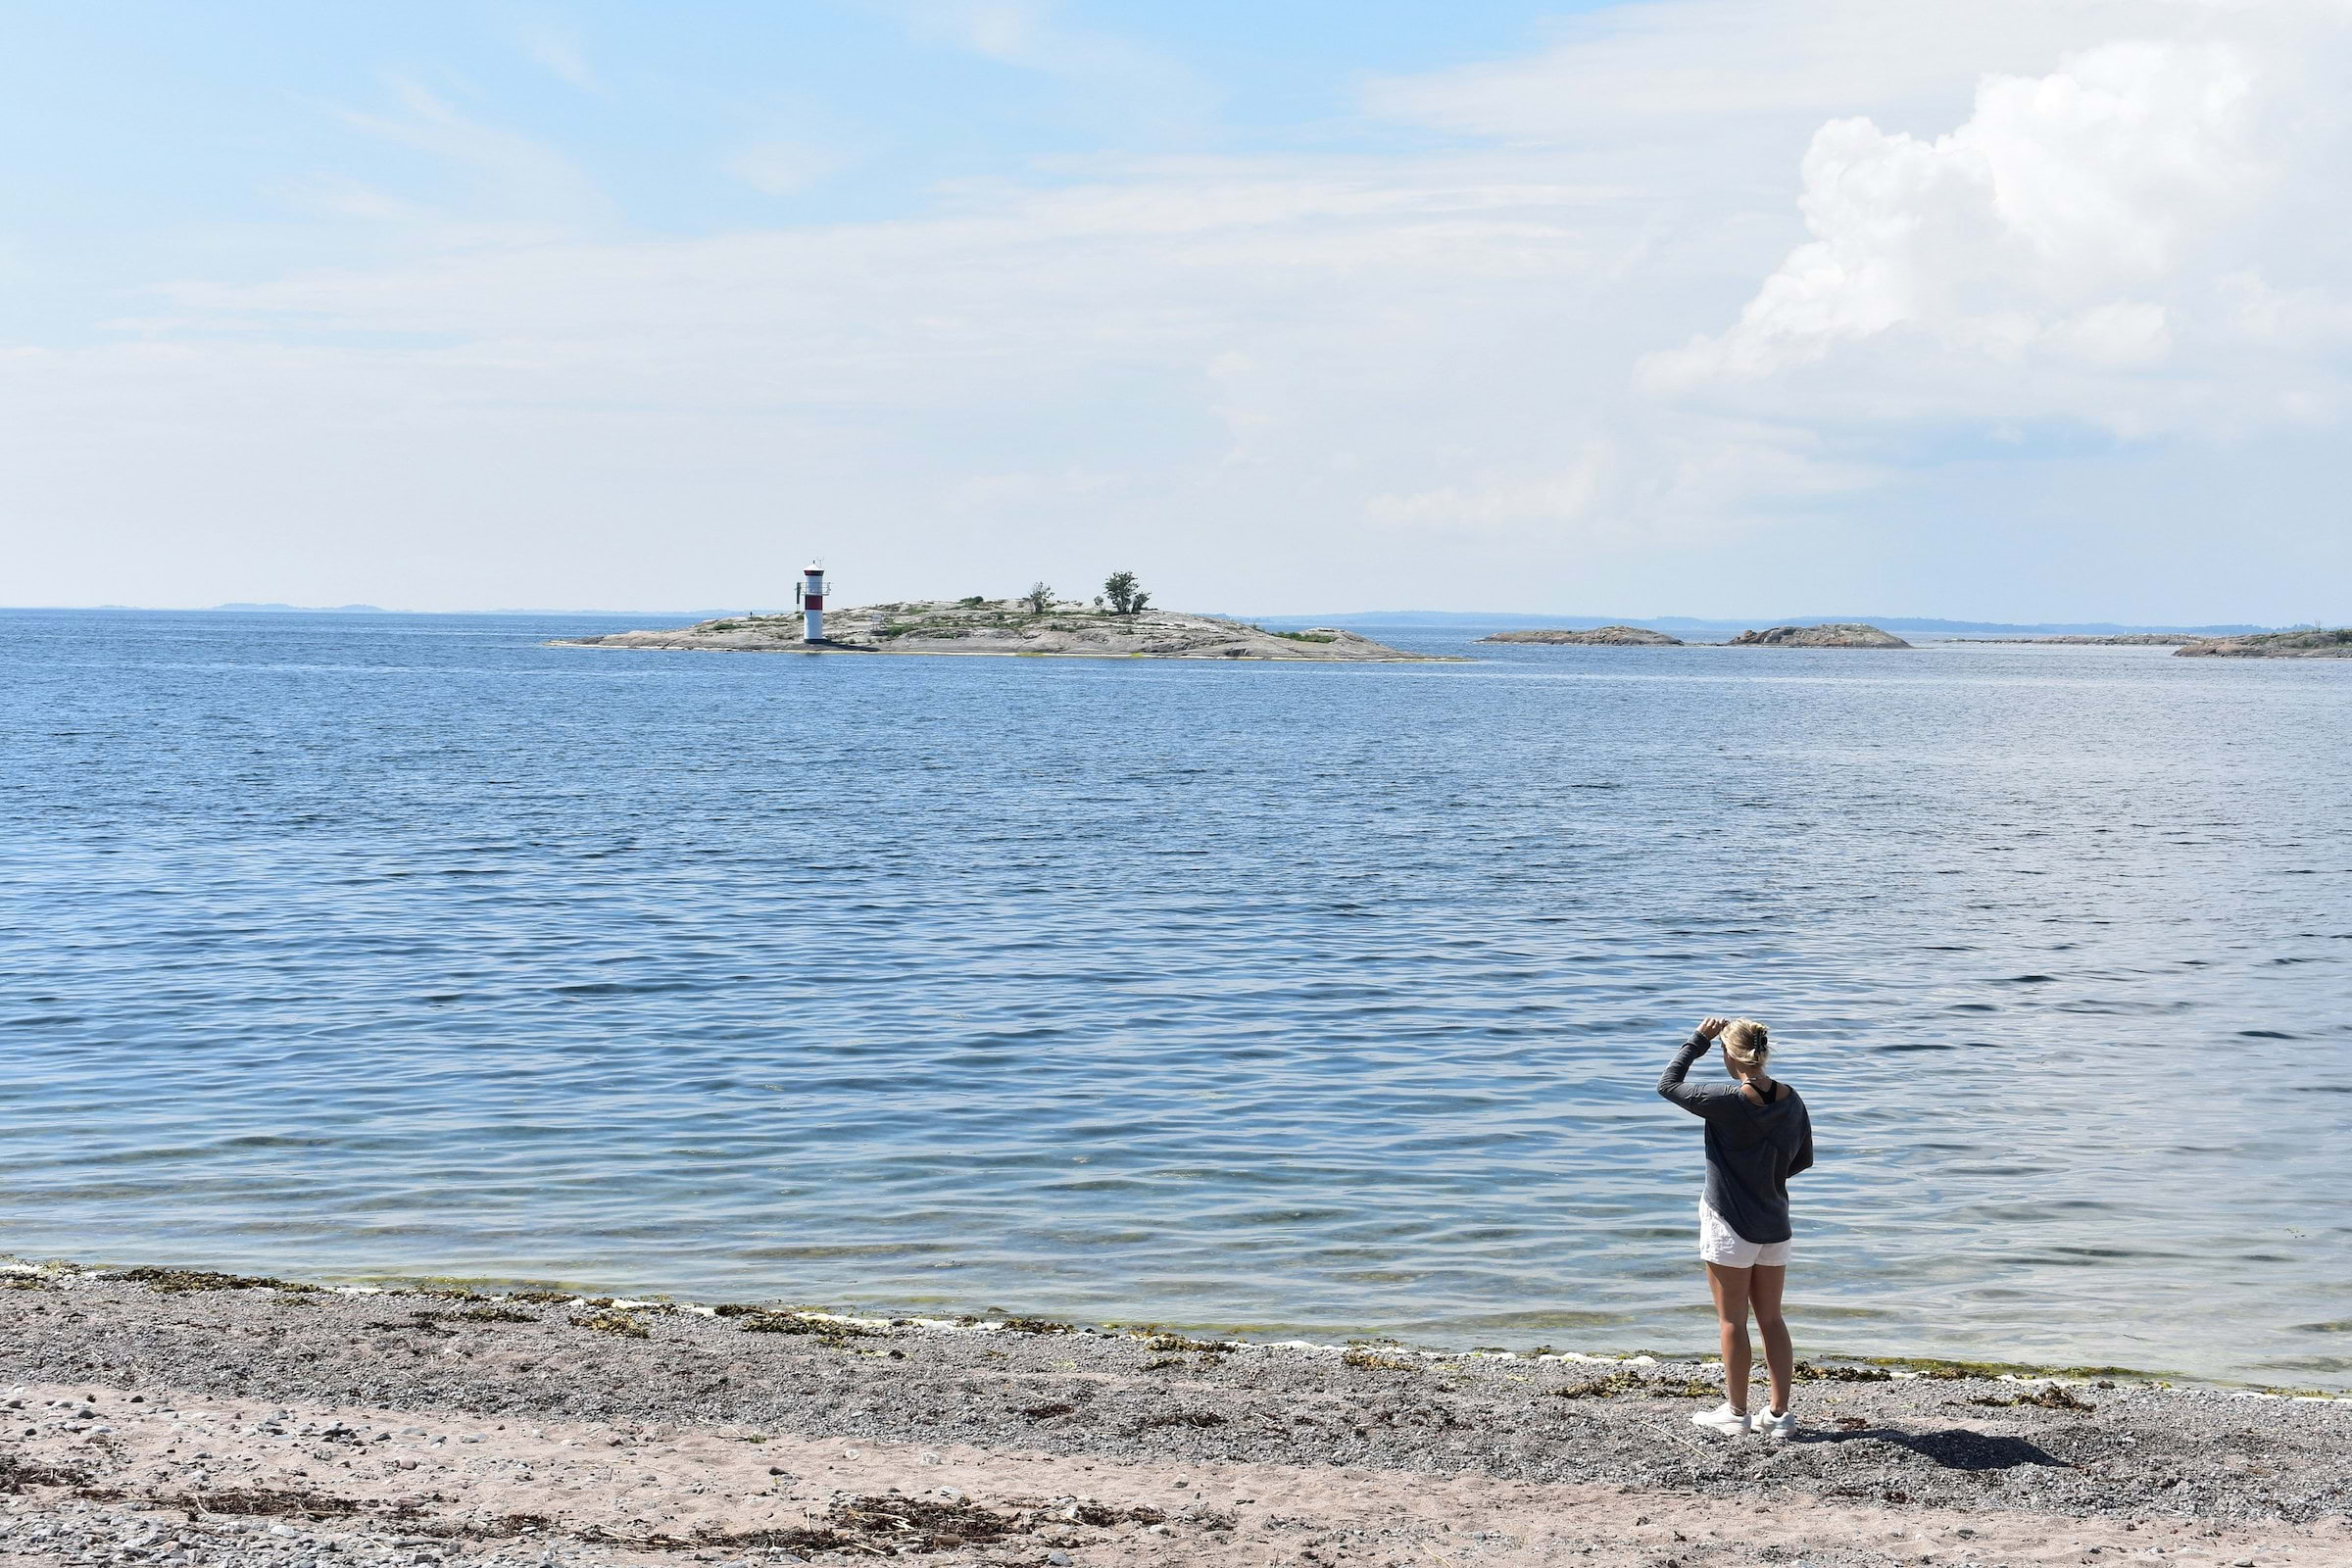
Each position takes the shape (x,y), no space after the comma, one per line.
(812,596)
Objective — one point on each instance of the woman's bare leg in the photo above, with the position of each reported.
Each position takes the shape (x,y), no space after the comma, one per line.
(1779,1355)
(1730,1286)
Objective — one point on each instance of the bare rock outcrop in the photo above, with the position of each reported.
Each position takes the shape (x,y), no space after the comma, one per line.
(1008,626)
(1830,634)
(2307,644)
(1593,636)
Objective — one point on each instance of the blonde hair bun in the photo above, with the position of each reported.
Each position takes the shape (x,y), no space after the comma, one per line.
(1745,1043)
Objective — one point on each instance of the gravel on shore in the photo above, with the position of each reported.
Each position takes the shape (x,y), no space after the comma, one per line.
(177,1418)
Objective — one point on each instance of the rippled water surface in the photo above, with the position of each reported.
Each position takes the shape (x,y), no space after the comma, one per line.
(1326,1000)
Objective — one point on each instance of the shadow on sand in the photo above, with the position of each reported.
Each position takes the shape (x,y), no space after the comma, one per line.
(1956,1448)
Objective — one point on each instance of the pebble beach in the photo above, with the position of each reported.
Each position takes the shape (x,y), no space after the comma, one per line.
(175,1417)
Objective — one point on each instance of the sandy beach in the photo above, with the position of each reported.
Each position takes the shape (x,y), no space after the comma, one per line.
(189,1419)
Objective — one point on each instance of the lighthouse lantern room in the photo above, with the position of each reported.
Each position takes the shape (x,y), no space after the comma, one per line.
(809,595)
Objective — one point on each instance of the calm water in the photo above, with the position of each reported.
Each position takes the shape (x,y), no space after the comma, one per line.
(1326,1000)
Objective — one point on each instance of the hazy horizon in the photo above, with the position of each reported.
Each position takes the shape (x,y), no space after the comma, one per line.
(1531,617)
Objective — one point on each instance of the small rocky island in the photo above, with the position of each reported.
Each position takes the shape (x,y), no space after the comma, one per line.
(1595,636)
(2310,643)
(1830,634)
(1030,626)
(2121,639)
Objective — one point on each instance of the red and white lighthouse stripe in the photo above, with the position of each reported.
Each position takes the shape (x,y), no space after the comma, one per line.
(813,604)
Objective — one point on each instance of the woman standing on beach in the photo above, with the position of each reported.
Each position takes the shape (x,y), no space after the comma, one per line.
(1758,1135)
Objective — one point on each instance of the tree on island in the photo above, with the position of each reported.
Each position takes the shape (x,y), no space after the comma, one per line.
(1039,599)
(1126,595)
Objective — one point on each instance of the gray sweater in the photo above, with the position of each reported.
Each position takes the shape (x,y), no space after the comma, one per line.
(1753,1150)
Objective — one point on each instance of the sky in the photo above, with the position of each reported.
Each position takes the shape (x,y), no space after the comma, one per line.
(2024,310)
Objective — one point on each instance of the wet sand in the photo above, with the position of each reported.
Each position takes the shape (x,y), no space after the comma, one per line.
(187,1420)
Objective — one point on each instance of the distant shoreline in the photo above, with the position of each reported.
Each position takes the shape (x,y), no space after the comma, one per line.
(2127,639)
(1432,618)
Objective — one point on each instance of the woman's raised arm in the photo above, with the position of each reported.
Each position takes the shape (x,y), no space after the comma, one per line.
(1671,1085)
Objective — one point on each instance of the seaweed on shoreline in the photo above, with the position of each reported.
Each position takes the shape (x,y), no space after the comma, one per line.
(17,1473)
(265,1502)
(610,1322)
(1630,1382)
(1930,1367)
(64,1274)
(1181,1418)
(182,1280)
(2052,1397)
(826,1329)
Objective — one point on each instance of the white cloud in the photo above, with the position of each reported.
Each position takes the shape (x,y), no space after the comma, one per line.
(2122,334)
(560,54)
(1561,498)
(1728,74)
(1112,74)
(336,196)
(781,168)
(2095,243)
(517,176)
(2031,223)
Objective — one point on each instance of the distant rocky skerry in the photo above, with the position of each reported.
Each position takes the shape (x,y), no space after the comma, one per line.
(1010,628)
(2311,643)
(1602,636)
(1830,634)
(2126,639)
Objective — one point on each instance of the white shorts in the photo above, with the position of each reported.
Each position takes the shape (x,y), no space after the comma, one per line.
(1718,1243)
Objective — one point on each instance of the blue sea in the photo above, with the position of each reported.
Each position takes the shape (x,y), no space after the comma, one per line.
(1285,999)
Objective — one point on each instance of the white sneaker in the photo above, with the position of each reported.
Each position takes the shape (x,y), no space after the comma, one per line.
(1724,1419)
(1779,1428)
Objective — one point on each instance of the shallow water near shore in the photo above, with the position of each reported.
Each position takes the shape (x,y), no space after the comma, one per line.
(1326,1000)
